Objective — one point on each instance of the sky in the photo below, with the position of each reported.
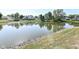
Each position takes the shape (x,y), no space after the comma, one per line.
(36,12)
(36,7)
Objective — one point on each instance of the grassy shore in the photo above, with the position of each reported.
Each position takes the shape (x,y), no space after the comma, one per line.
(67,38)
(2,22)
(72,21)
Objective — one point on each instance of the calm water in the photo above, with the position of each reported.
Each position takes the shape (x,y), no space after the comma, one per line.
(13,34)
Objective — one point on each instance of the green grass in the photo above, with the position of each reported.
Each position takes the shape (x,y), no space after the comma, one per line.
(72,21)
(67,38)
(2,22)
(5,20)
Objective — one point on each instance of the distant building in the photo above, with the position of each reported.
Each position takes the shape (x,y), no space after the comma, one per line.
(76,18)
(7,18)
(4,17)
(28,17)
(66,18)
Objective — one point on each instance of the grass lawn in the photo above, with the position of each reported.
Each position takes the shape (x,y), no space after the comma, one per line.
(66,39)
(72,21)
(2,22)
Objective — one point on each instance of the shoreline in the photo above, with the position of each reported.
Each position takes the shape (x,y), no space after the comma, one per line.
(57,40)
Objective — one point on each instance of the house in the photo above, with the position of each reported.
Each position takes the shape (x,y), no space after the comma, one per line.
(66,18)
(76,18)
(4,17)
(28,17)
(7,18)
(25,17)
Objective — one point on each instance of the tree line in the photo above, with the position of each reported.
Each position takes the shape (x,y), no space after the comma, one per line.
(56,15)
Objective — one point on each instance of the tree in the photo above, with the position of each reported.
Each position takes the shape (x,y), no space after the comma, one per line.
(16,16)
(1,15)
(48,16)
(74,16)
(71,16)
(58,15)
(36,16)
(12,15)
(21,16)
(41,17)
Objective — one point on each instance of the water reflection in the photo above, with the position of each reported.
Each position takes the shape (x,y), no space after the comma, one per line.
(68,25)
(12,34)
(74,24)
(49,25)
(58,26)
(1,27)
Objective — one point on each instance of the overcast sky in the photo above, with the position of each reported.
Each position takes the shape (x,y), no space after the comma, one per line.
(36,7)
(36,12)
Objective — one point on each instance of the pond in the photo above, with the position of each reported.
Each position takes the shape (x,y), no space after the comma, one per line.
(14,34)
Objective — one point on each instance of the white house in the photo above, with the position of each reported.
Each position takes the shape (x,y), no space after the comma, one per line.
(28,17)
(7,18)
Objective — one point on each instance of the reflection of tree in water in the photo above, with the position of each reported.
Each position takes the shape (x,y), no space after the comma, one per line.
(47,25)
(58,26)
(16,25)
(1,27)
(41,24)
(29,23)
(21,24)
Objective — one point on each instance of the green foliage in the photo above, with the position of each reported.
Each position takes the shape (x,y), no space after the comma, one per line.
(16,16)
(41,17)
(1,15)
(58,15)
(48,16)
(21,16)
(71,16)
(74,17)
